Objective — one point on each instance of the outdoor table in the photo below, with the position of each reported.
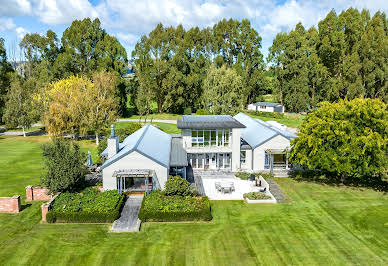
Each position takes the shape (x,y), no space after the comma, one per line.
(226,186)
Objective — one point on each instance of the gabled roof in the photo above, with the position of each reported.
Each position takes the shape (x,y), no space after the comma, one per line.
(266,104)
(148,141)
(258,132)
(208,121)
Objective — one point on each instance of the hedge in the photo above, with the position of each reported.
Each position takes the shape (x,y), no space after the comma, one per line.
(204,214)
(86,216)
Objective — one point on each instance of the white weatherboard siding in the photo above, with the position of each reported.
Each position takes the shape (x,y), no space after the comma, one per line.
(134,160)
(248,161)
(236,136)
(278,142)
(186,138)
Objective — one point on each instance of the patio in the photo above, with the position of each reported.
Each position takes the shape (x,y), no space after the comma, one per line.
(240,187)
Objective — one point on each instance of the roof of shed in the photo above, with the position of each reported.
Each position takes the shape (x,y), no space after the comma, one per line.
(148,141)
(266,104)
(258,132)
(208,121)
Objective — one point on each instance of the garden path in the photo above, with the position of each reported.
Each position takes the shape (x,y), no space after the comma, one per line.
(129,221)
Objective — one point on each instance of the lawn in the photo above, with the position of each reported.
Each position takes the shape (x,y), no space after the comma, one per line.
(166,127)
(323,224)
(290,120)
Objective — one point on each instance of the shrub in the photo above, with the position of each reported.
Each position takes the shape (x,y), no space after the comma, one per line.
(267,114)
(161,208)
(89,206)
(187,111)
(265,175)
(201,112)
(64,163)
(256,196)
(176,185)
(243,175)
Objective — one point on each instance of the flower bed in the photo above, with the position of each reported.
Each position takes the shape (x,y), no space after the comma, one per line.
(88,206)
(158,207)
(256,196)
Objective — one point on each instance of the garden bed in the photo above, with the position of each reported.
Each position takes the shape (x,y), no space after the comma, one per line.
(259,197)
(157,207)
(88,206)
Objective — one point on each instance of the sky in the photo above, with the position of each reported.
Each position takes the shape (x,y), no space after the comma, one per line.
(128,20)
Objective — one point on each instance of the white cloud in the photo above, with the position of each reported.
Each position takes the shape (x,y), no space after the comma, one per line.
(20,32)
(6,24)
(14,7)
(128,38)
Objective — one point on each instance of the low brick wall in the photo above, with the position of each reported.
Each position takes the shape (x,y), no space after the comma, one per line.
(10,204)
(47,206)
(38,193)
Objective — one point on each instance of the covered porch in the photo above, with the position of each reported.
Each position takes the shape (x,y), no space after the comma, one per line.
(276,159)
(136,181)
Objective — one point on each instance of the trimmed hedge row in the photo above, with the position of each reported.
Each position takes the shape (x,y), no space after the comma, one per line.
(86,217)
(176,216)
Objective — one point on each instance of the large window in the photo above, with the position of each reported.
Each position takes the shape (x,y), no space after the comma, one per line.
(210,137)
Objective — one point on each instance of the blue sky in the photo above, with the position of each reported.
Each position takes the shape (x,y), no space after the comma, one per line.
(128,19)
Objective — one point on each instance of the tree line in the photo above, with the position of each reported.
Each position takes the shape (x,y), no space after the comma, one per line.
(219,69)
(345,57)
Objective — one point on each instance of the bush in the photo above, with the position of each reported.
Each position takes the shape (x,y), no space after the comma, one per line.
(187,111)
(243,175)
(176,185)
(158,207)
(89,206)
(201,112)
(256,196)
(265,175)
(64,163)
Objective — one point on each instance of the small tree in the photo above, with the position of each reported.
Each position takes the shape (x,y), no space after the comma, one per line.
(64,163)
(176,185)
(347,138)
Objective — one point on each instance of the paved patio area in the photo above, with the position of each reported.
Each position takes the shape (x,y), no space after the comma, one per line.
(241,187)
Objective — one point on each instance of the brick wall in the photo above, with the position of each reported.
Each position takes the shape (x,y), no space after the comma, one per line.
(47,206)
(37,193)
(10,204)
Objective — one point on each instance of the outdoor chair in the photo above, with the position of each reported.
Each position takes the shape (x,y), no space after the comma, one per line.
(232,186)
(263,190)
(218,186)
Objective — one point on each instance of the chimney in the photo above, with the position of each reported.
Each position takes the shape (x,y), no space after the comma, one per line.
(113,143)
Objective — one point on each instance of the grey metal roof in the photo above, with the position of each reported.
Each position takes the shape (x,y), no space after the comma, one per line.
(258,132)
(178,155)
(208,121)
(148,141)
(266,104)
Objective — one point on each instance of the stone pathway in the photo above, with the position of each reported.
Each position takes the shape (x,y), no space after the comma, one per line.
(128,221)
(276,191)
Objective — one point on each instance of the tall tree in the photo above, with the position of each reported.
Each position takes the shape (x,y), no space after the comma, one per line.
(18,107)
(87,47)
(222,91)
(5,70)
(238,45)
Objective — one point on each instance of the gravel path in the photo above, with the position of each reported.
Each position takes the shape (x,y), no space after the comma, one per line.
(276,191)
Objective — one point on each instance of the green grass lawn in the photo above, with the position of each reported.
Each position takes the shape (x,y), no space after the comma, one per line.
(322,225)
(163,116)
(290,120)
(166,127)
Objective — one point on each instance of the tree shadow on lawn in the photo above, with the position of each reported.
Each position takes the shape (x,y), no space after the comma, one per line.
(327,178)
(25,206)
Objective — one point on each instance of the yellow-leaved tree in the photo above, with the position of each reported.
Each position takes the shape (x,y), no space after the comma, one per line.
(80,105)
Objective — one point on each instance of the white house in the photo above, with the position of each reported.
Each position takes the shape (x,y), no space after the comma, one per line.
(266,107)
(145,159)
(142,161)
